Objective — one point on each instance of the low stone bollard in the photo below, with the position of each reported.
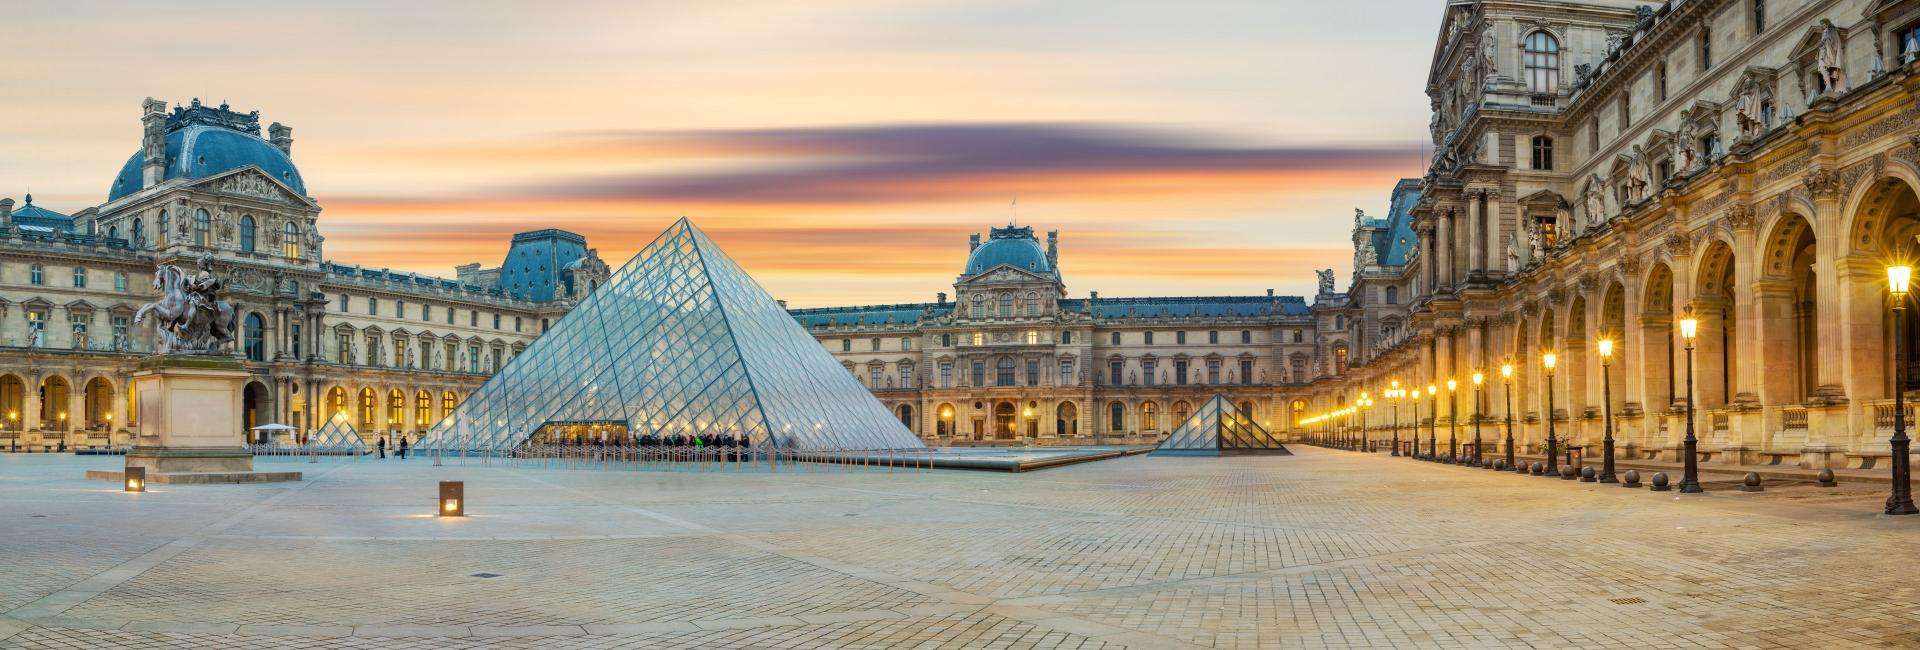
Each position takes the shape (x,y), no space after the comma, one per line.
(1568,473)
(1499,463)
(1826,478)
(1538,468)
(1751,483)
(1659,482)
(1630,479)
(1588,475)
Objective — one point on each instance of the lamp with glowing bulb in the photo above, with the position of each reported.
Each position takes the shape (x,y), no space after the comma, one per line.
(1900,500)
(1606,400)
(1479,379)
(453,502)
(1547,362)
(1690,468)
(1433,421)
(135,479)
(1453,421)
(1506,386)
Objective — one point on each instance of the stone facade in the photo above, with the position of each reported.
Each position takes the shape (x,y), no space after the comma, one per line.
(1014,360)
(1604,170)
(395,350)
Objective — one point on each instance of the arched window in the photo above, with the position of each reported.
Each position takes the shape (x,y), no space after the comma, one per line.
(396,409)
(1006,304)
(1149,416)
(1033,304)
(256,337)
(113,232)
(290,241)
(448,400)
(422,409)
(202,225)
(246,232)
(1542,153)
(367,408)
(336,403)
(1542,59)
(1117,416)
(165,221)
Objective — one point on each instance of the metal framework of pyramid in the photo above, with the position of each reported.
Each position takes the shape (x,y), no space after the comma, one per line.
(679,341)
(1218,428)
(337,436)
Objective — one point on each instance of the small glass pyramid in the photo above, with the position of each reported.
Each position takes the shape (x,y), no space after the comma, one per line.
(1218,428)
(680,341)
(337,436)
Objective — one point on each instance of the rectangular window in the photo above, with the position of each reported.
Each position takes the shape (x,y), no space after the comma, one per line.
(120,333)
(906,344)
(449,315)
(426,312)
(873,375)
(979,338)
(1706,48)
(846,345)
(1213,371)
(1180,337)
(1213,337)
(946,375)
(453,361)
(1180,373)
(473,358)
(1066,372)
(1116,338)
(1146,372)
(946,340)
(1033,337)
(496,321)
(293,331)
(1114,372)
(473,318)
(343,347)
(120,281)
(1148,338)
(399,309)
(979,373)
(79,277)
(1003,373)
(1033,372)
(346,303)
(1246,371)
(516,323)
(373,306)
(1066,338)
(1246,336)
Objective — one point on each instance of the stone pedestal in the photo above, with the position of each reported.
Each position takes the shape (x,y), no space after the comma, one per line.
(191,426)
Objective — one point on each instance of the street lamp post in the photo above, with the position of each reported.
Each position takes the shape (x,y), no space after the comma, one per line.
(1900,501)
(1453,421)
(1690,474)
(1393,395)
(1433,422)
(1366,404)
(1506,381)
(1606,397)
(1548,361)
(1479,379)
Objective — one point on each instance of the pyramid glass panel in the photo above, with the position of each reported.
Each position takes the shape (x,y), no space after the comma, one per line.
(1218,428)
(680,341)
(337,436)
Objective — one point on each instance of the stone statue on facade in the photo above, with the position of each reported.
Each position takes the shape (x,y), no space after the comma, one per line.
(1536,245)
(1746,116)
(190,317)
(1596,204)
(1684,156)
(1827,59)
(1513,252)
(1326,281)
(36,332)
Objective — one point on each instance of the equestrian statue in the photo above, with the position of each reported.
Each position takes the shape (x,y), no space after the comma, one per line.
(190,317)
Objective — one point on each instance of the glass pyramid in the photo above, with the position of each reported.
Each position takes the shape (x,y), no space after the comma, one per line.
(337,436)
(1218,428)
(679,341)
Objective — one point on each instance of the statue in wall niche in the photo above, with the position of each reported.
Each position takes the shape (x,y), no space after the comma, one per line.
(1326,280)
(1683,153)
(1487,54)
(1513,252)
(1536,246)
(1827,59)
(1596,204)
(190,316)
(36,332)
(1746,115)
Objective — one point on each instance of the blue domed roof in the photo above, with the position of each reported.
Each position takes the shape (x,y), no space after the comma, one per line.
(199,151)
(1013,247)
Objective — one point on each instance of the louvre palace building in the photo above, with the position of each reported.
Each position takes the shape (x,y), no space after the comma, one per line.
(1011,357)
(1608,170)
(394,351)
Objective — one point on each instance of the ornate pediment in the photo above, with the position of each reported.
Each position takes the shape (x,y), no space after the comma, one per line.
(250,182)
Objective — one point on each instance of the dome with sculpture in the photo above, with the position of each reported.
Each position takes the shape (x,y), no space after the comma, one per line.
(1013,246)
(202,141)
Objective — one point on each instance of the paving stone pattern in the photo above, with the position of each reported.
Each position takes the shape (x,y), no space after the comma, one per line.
(1322,549)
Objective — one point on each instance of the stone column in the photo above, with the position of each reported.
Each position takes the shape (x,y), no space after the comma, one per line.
(1443,238)
(1863,355)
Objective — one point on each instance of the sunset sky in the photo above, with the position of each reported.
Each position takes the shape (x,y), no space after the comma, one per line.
(842,151)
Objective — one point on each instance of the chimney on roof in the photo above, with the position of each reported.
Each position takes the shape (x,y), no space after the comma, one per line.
(1053,248)
(281,136)
(153,141)
(973,242)
(1269,293)
(943,297)
(6,212)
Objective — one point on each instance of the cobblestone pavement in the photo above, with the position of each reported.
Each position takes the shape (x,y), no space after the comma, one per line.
(1325,548)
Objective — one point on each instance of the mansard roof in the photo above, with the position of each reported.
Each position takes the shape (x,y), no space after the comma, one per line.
(1395,240)
(1190,306)
(901,314)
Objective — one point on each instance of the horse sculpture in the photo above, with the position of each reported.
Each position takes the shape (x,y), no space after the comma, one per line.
(189,316)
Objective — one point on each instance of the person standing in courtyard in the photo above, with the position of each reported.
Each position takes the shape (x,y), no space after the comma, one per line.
(382,446)
(403,446)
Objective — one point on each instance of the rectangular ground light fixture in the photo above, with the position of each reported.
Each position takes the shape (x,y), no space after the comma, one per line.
(135,479)
(453,502)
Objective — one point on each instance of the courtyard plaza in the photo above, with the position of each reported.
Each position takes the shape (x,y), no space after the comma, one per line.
(1325,548)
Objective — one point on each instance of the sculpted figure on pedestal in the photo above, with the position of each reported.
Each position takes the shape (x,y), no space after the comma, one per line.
(190,316)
